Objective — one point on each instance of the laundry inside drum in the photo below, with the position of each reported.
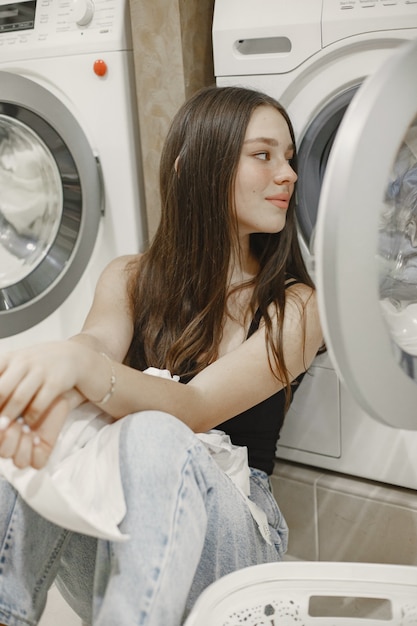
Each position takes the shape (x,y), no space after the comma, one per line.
(31,201)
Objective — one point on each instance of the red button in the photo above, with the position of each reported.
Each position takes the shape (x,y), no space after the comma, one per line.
(100,67)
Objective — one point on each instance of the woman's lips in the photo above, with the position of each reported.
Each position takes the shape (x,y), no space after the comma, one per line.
(280,200)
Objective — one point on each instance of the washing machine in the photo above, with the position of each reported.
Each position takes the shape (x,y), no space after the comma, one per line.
(70,168)
(315,57)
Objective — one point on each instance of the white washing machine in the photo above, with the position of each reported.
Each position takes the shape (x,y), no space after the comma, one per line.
(314,56)
(70,169)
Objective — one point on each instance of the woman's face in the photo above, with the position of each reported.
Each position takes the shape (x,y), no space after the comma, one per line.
(264,179)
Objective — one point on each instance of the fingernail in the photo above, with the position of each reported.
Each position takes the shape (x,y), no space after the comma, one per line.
(20,420)
(4,422)
(36,440)
(26,428)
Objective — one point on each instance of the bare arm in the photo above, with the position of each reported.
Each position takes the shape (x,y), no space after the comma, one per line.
(39,382)
(108,327)
(232,384)
(35,382)
(235,382)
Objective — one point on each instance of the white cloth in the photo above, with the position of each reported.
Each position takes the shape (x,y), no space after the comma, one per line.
(73,489)
(233,460)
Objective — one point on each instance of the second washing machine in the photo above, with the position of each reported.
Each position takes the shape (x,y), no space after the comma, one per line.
(314,56)
(70,169)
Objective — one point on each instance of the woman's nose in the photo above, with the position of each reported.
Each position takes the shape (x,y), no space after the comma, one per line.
(285,173)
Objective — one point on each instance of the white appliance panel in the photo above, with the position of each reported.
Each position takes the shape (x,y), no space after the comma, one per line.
(344,19)
(249,41)
(60,28)
(321,393)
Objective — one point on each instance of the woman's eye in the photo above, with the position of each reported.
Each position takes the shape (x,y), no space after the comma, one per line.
(263,156)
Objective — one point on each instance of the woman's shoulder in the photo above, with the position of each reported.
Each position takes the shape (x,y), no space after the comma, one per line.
(300,303)
(117,272)
(121,266)
(124,262)
(300,290)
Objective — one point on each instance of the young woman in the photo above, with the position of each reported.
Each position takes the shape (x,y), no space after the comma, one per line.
(222,300)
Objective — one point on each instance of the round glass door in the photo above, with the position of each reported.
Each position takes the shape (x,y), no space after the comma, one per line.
(50,203)
(30,203)
(366,243)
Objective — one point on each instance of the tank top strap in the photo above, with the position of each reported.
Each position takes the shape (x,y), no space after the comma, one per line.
(254,325)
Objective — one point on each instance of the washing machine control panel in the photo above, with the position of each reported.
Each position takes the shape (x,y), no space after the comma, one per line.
(39,28)
(347,18)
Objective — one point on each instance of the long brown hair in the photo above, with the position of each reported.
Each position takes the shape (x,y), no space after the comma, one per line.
(179,287)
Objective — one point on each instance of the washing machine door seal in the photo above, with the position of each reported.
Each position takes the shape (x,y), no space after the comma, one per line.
(313,155)
(50,205)
(365,347)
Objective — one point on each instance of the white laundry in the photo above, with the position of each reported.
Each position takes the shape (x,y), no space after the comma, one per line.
(26,190)
(73,489)
(402,324)
(233,460)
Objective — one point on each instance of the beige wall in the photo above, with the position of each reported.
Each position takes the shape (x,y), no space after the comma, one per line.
(173,58)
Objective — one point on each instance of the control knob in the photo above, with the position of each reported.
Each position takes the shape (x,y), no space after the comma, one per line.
(82,11)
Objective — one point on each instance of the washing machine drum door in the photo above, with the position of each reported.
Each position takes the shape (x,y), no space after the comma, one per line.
(366,244)
(50,203)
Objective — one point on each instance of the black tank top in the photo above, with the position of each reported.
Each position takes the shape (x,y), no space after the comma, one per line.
(259,427)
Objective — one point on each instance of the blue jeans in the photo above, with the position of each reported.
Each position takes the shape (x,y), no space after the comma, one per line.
(188,525)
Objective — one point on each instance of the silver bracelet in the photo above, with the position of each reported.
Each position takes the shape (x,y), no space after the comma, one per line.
(110,392)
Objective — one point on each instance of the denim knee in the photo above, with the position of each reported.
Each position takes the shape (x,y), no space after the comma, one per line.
(155,432)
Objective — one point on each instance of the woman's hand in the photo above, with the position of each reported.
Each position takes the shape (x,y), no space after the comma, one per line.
(37,391)
(32,446)
(32,379)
